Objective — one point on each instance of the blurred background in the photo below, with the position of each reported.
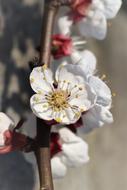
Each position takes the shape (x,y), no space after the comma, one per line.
(20,24)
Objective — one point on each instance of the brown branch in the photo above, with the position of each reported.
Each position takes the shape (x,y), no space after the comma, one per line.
(51,7)
(42,153)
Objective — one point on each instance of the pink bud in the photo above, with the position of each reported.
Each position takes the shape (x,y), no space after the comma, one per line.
(13,141)
(79,9)
(61,46)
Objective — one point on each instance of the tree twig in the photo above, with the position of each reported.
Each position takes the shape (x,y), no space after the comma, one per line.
(43,155)
(43,130)
(51,7)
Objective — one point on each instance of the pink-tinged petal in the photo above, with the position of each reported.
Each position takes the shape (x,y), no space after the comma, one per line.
(79,9)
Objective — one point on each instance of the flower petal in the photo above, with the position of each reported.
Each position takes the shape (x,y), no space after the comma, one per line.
(84,63)
(94,26)
(111,8)
(40,107)
(84,98)
(67,79)
(67,136)
(103,92)
(5,123)
(64,24)
(58,168)
(75,151)
(63,77)
(87,62)
(2,140)
(81,94)
(96,117)
(67,116)
(41,79)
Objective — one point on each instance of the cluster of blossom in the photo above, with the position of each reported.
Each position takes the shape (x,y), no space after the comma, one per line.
(74,99)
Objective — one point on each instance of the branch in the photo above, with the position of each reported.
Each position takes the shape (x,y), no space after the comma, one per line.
(51,7)
(42,153)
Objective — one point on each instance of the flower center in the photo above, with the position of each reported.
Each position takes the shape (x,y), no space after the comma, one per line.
(58,100)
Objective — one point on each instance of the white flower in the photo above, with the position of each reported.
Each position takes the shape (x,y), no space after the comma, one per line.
(59,169)
(74,153)
(5,124)
(100,113)
(94,23)
(62,99)
(83,63)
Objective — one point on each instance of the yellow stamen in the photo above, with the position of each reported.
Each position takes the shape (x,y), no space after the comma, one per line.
(58,100)
(36,99)
(103,77)
(114,94)
(58,120)
(44,67)
(45,106)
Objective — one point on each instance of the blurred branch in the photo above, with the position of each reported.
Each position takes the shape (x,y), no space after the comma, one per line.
(50,7)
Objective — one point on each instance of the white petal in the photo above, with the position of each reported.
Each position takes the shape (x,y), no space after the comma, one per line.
(2,140)
(95,26)
(41,79)
(84,98)
(63,77)
(74,153)
(111,8)
(64,24)
(67,80)
(103,92)
(58,168)
(67,136)
(5,123)
(86,64)
(62,117)
(96,117)
(68,116)
(40,107)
